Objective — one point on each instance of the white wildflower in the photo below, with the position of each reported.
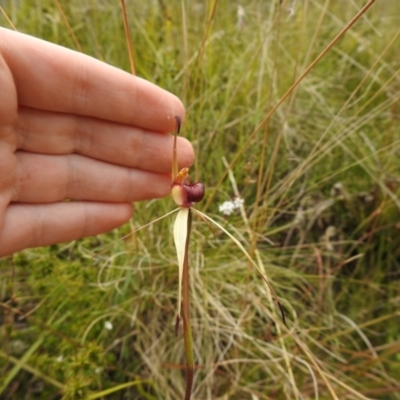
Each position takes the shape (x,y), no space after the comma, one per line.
(60,358)
(108,325)
(228,207)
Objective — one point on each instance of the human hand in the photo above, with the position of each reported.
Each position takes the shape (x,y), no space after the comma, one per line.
(72,127)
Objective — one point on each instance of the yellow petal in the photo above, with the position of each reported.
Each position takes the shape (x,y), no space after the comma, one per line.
(180,238)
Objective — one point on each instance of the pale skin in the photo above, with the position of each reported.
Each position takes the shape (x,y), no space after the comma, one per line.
(72,127)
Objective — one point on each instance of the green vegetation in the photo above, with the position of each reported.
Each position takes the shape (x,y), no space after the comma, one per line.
(320,183)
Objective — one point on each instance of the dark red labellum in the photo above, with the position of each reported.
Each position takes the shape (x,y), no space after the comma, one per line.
(194,191)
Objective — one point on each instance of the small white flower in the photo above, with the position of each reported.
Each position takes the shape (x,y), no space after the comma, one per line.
(60,358)
(108,325)
(238,202)
(228,207)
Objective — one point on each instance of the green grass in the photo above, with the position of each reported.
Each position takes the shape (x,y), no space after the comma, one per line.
(320,182)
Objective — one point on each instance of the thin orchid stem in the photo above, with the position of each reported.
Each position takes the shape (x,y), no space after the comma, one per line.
(187,330)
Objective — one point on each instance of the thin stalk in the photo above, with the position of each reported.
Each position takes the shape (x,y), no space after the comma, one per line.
(211,15)
(187,330)
(8,19)
(128,37)
(185,49)
(175,169)
(70,30)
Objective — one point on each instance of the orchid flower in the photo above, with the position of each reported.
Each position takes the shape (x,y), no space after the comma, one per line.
(185,195)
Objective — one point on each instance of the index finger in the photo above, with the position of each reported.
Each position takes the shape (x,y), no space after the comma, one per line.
(51,77)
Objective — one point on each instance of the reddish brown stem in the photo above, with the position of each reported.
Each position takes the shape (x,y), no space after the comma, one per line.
(128,37)
(187,330)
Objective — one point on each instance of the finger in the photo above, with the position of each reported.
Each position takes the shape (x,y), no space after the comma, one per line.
(55,133)
(8,100)
(8,164)
(45,179)
(40,225)
(51,77)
